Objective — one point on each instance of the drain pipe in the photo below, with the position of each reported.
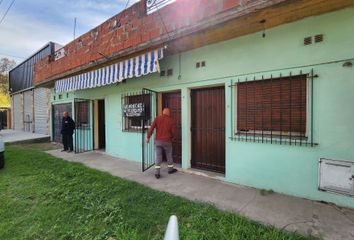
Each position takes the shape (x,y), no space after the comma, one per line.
(172,229)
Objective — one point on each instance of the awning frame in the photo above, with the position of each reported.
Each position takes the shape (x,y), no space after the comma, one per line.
(134,67)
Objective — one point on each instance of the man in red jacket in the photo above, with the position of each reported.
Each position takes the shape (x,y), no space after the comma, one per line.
(165,130)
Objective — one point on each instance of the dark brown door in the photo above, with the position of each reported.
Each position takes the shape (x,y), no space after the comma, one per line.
(173,102)
(101,125)
(208,129)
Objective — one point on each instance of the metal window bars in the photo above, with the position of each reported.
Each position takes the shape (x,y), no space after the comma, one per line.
(136,111)
(276,109)
(83,129)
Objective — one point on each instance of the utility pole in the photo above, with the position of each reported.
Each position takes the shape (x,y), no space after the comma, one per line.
(75,28)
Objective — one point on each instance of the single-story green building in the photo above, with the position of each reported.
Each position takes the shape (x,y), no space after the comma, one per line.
(262,99)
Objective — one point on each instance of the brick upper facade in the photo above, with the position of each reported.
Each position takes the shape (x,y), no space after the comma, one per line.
(134,28)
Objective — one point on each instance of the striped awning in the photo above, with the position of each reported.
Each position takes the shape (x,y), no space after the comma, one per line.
(133,67)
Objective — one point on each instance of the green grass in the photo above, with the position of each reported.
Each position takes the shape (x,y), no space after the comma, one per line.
(43,197)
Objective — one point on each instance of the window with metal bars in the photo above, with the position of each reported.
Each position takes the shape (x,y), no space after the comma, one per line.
(82,113)
(135,111)
(274,110)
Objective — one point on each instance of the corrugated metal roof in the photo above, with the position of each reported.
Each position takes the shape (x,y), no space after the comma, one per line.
(21,77)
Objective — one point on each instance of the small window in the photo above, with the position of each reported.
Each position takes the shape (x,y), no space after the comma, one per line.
(60,96)
(136,112)
(170,72)
(273,107)
(54,98)
(163,73)
(82,113)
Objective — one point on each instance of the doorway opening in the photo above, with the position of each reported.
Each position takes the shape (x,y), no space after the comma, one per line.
(99,124)
(172,100)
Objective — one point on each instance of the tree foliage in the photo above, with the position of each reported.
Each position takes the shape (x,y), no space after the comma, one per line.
(5,66)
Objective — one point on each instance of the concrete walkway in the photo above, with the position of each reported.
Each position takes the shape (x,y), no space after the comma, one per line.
(285,212)
(13,136)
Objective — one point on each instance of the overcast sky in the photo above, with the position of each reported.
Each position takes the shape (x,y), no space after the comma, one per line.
(30,24)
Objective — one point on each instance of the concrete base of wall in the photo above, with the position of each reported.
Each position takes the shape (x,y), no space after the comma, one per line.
(13,136)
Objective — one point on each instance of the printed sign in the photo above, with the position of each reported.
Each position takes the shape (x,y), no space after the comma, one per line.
(134,110)
(59,54)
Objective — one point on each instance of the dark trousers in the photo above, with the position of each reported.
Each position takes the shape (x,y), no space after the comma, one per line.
(68,142)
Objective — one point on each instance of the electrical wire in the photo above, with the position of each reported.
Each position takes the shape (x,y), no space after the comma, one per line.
(170,39)
(7,11)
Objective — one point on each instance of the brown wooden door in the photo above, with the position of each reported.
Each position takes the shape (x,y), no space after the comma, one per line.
(173,102)
(208,129)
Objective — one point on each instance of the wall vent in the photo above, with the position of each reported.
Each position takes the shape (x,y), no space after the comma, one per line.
(170,72)
(307,41)
(336,176)
(318,38)
(200,64)
(163,73)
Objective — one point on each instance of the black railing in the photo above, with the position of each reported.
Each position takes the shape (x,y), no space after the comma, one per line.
(148,149)
(83,130)
(154,5)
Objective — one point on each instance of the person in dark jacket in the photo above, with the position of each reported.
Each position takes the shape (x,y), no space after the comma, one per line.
(67,131)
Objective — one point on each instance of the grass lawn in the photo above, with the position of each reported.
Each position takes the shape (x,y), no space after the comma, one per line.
(43,197)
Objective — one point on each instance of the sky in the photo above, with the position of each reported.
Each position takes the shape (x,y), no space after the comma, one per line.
(30,24)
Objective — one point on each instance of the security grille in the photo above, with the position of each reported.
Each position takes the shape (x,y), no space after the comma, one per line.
(277,110)
(57,116)
(136,111)
(83,130)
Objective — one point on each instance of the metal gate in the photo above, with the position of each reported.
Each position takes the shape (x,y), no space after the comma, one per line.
(57,115)
(83,131)
(149,97)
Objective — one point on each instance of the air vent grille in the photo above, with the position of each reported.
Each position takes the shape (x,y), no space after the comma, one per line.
(319,38)
(307,41)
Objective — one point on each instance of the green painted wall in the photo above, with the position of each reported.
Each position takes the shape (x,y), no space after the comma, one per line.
(286,169)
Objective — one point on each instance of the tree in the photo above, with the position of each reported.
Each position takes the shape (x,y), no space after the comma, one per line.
(5,66)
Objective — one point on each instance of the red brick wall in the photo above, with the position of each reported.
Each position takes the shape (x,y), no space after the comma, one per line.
(135,28)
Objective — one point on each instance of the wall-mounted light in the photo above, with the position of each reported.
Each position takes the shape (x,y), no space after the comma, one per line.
(347,64)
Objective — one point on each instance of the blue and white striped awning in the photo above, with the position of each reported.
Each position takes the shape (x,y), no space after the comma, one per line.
(133,67)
